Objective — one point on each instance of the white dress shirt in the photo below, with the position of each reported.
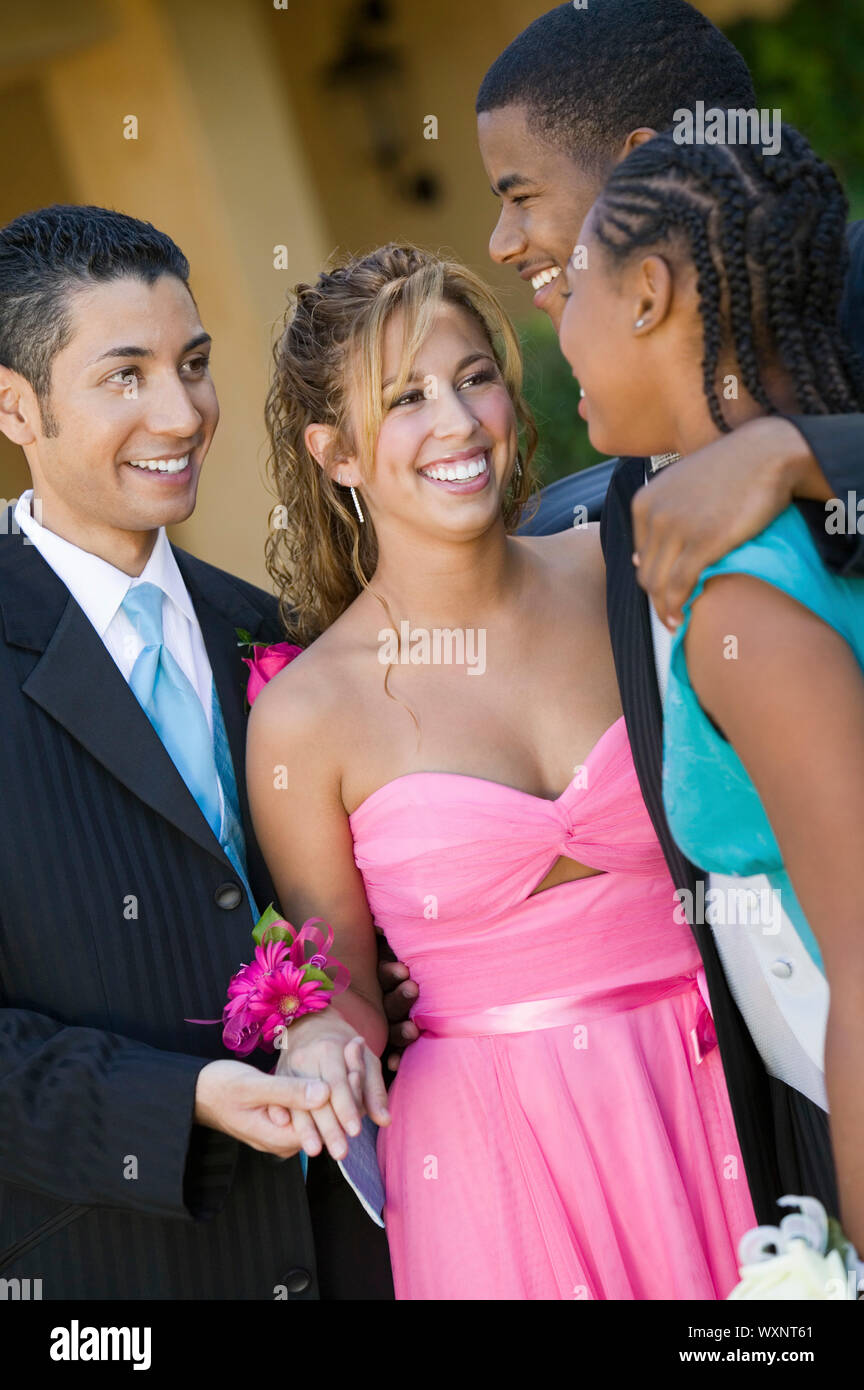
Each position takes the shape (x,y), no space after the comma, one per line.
(99,588)
(780,991)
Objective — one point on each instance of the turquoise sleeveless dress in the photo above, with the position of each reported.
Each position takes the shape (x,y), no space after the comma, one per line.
(713,809)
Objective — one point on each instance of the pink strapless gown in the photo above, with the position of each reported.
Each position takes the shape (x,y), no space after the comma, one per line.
(561,1128)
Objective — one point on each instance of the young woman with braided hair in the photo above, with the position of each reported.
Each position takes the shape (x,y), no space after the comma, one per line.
(710,295)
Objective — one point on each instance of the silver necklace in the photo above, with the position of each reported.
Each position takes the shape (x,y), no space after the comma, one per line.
(659,461)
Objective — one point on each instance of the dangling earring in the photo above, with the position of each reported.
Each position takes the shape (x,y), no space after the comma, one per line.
(517,471)
(341,482)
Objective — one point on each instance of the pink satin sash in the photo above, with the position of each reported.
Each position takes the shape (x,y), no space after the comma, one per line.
(530,1014)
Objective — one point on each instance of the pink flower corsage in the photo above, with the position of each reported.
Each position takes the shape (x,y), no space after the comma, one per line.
(265,662)
(292,974)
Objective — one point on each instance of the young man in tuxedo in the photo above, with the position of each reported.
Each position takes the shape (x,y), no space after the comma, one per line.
(137,1161)
(569,98)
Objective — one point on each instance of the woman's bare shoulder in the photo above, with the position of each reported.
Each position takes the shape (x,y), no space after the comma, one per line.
(315,688)
(577,548)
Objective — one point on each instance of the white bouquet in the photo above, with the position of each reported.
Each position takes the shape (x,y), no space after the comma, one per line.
(806,1257)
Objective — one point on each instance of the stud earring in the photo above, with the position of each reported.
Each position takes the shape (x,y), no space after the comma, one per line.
(640,323)
(360,515)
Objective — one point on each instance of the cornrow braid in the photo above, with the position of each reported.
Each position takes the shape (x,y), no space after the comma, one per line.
(766,234)
(832,357)
(737,203)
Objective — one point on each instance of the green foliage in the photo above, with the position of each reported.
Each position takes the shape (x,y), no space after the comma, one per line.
(809,62)
(553,395)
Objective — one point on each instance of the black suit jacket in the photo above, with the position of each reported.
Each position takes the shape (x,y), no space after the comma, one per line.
(783,1137)
(114,928)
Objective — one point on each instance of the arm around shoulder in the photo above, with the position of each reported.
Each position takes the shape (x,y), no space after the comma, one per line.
(835,454)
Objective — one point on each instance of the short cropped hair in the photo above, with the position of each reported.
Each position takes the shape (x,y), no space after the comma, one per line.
(589,76)
(47,254)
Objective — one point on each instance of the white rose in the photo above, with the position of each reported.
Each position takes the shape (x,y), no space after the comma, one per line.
(798,1273)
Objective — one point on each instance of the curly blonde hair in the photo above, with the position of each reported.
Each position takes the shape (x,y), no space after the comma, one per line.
(319,556)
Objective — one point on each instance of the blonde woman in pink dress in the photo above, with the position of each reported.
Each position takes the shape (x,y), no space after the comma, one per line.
(561,1128)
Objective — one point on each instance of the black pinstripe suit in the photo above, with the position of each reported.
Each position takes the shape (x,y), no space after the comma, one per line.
(113,930)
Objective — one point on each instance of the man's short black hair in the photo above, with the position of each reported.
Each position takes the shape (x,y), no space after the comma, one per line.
(589,76)
(44,255)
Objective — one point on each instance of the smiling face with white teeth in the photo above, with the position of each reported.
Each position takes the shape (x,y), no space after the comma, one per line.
(447,445)
(134,410)
(545,196)
(444,459)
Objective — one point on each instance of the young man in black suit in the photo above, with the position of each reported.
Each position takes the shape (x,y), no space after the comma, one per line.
(137,1160)
(569,98)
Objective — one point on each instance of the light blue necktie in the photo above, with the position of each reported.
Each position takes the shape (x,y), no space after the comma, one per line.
(171,703)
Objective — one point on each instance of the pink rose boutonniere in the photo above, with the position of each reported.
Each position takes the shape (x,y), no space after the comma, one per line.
(265,662)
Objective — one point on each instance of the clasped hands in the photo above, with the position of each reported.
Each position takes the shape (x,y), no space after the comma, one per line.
(326,1079)
(324,1047)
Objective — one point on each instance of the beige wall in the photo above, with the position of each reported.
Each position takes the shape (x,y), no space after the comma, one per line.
(219,167)
(35,177)
(446,49)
